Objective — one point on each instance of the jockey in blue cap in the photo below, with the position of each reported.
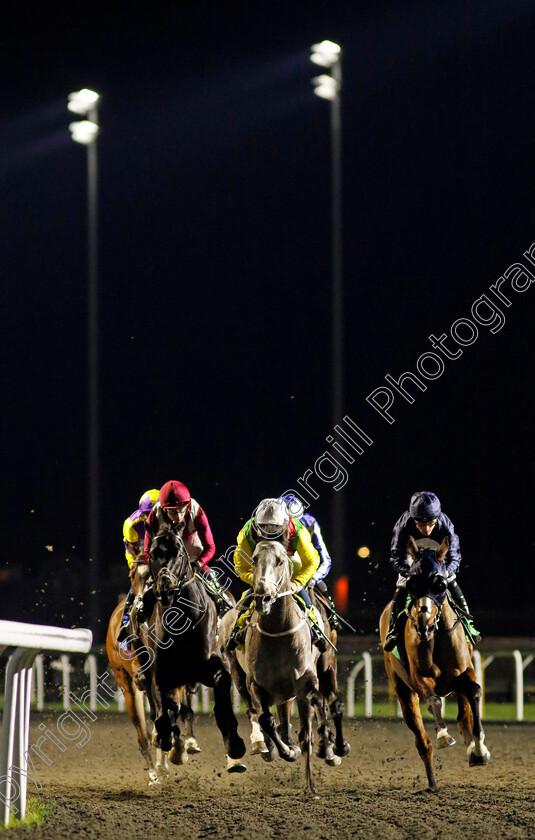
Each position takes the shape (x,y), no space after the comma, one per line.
(423,519)
(297,511)
(134,542)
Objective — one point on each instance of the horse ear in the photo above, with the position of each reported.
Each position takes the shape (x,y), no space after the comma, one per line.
(412,548)
(443,550)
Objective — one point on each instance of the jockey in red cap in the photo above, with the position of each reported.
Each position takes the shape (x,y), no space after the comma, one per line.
(177,511)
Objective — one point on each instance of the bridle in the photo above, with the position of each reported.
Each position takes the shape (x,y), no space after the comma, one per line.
(275,597)
(425,633)
(168,580)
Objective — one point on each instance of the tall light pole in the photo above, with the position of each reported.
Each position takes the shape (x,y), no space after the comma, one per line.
(328,86)
(85,103)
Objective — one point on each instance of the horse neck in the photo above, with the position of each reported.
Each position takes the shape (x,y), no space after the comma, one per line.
(282,616)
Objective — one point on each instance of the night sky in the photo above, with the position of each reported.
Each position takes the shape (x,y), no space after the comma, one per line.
(215,281)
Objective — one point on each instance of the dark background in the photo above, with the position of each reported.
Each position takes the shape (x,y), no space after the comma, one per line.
(215,277)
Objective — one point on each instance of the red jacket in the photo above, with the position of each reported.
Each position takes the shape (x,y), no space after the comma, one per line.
(194,530)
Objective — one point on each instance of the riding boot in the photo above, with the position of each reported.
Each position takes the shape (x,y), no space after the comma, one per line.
(236,634)
(398,602)
(461,605)
(223,602)
(334,621)
(126,630)
(144,605)
(318,635)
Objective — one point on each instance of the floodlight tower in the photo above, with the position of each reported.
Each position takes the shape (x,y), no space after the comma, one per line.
(328,86)
(85,103)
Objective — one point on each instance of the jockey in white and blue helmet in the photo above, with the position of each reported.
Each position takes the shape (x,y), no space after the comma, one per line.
(297,510)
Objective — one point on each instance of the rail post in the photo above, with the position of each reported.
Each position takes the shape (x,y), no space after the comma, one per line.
(28,640)
(366,665)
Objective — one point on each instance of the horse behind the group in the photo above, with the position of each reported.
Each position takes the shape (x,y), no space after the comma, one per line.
(437,659)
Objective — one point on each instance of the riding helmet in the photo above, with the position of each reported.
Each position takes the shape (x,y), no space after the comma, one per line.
(148,500)
(173,494)
(294,505)
(424,506)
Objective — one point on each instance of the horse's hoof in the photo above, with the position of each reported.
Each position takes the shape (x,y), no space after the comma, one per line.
(335,761)
(192,746)
(343,750)
(478,760)
(235,765)
(445,741)
(268,755)
(259,748)
(291,755)
(178,756)
(153,779)
(297,751)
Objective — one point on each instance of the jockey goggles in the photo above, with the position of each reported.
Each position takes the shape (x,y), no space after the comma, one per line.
(270,531)
(176,507)
(426,521)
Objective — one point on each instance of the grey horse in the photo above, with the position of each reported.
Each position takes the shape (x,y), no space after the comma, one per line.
(278,663)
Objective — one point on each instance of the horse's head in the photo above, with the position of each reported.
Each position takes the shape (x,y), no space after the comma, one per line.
(427,586)
(271,574)
(424,614)
(169,564)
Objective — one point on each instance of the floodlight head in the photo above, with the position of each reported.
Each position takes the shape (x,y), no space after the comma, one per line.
(325,54)
(325,87)
(84,131)
(82,101)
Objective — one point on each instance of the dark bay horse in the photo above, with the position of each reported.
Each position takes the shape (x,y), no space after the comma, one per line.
(278,663)
(178,649)
(182,639)
(437,660)
(128,670)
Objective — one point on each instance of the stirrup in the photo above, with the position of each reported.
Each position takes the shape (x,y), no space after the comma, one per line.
(233,640)
(390,641)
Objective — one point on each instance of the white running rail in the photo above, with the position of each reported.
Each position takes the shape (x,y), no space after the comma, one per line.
(28,640)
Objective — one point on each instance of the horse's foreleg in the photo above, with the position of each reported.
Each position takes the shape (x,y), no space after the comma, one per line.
(464,717)
(224,715)
(410,707)
(161,734)
(478,753)
(262,701)
(187,717)
(444,739)
(134,700)
(306,714)
(329,689)
(258,744)
(285,727)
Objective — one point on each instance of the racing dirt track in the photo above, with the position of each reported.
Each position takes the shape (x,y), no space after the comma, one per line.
(101,789)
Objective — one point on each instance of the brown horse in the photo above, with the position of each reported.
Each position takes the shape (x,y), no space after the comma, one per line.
(278,663)
(437,659)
